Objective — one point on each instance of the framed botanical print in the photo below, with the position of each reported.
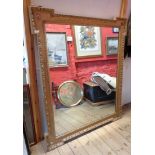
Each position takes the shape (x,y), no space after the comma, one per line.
(57,49)
(112,45)
(88,41)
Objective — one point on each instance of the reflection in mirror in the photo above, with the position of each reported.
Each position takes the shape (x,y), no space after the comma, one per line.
(83,69)
(70,93)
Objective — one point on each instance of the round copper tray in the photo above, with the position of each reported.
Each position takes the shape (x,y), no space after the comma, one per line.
(70,93)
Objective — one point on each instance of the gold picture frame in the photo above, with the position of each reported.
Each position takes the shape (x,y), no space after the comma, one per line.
(39,17)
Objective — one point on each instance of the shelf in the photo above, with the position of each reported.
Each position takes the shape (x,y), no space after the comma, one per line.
(95,59)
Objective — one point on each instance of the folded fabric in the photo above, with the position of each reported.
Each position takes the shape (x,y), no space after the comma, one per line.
(106,82)
(109,79)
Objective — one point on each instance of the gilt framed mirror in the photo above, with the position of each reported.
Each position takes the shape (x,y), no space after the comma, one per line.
(101,99)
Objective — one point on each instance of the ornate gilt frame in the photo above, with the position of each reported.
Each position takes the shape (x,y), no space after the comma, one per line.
(38,17)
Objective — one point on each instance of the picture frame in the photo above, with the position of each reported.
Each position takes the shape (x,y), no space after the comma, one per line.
(87,41)
(112,45)
(115,30)
(57,49)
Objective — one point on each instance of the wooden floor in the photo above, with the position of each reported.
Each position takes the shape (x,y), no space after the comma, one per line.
(68,119)
(112,139)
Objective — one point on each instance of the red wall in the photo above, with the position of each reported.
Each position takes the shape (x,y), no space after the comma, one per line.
(81,69)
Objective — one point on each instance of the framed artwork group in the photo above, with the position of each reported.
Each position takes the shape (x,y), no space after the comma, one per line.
(87,43)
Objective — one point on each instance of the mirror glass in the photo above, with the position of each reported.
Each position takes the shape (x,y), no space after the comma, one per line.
(82,64)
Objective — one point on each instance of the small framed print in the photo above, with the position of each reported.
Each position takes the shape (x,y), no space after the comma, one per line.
(112,45)
(115,30)
(88,41)
(57,49)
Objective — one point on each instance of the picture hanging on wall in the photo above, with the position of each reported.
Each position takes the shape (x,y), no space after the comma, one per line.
(112,45)
(87,41)
(57,49)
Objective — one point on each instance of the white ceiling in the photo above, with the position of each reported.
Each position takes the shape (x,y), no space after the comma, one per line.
(107,9)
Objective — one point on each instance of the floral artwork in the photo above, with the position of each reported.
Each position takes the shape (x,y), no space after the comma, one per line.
(88,41)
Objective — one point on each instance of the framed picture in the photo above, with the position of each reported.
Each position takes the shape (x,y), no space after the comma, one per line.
(57,49)
(87,41)
(115,30)
(112,45)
